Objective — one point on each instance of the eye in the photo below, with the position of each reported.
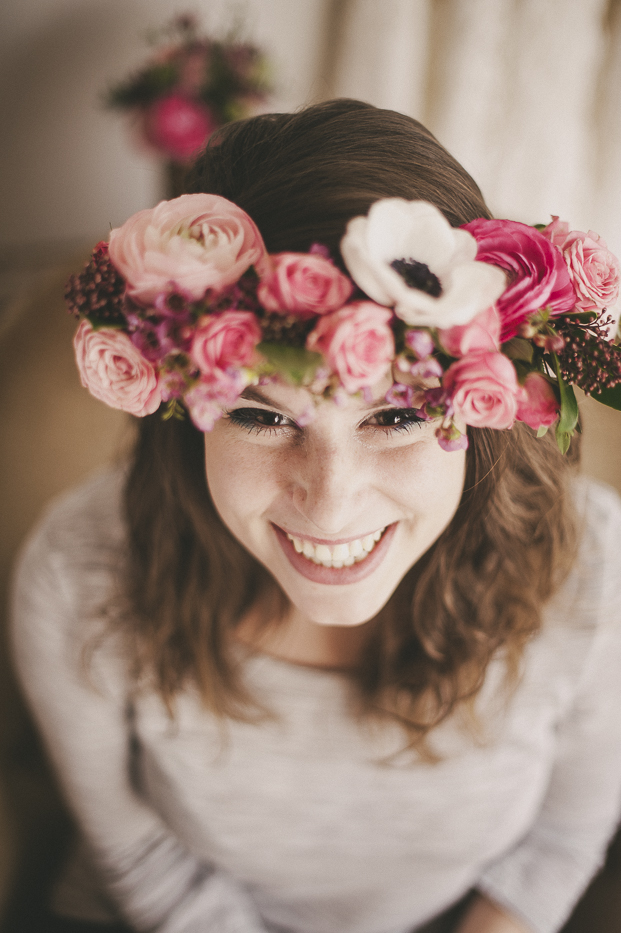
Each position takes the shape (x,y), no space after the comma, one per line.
(259,420)
(396,419)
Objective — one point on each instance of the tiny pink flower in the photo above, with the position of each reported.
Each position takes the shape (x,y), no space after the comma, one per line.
(196,241)
(483,390)
(178,126)
(225,341)
(538,277)
(303,284)
(427,369)
(420,342)
(450,438)
(203,408)
(538,405)
(357,342)
(593,269)
(480,334)
(114,371)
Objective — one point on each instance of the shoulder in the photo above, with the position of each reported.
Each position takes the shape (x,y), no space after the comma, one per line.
(81,525)
(70,561)
(597,568)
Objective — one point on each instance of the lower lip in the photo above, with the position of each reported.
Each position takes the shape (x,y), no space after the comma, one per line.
(336,576)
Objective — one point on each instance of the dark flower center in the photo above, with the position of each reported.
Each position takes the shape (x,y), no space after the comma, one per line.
(417,275)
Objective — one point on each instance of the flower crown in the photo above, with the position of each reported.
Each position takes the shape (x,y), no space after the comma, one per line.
(482,325)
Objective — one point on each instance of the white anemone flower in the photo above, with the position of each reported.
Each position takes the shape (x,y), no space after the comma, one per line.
(406,255)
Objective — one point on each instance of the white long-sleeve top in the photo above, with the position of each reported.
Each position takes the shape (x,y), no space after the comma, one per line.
(299,824)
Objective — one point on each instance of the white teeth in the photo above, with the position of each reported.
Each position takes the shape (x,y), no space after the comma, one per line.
(339,555)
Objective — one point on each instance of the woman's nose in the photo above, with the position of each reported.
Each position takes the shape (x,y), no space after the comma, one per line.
(326,486)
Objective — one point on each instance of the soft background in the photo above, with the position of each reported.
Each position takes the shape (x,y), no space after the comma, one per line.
(524,92)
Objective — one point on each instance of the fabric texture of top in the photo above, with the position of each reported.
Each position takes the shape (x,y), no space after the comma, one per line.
(300,824)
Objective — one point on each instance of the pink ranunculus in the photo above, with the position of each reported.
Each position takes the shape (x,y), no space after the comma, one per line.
(481,333)
(114,371)
(178,126)
(225,341)
(593,269)
(196,241)
(303,284)
(538,276)
(357,343)
(483,390)
(538,405)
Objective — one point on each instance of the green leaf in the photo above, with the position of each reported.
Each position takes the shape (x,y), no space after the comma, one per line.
(569,406)
(609,397)
(542,430)
(563,439)
(518,349)
(296,364)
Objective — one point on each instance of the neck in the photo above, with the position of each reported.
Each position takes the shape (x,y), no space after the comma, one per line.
(300,641)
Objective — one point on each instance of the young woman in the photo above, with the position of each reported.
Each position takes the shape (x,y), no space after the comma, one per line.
(338,650)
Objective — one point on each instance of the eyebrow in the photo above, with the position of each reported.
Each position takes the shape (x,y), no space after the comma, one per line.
(252,394)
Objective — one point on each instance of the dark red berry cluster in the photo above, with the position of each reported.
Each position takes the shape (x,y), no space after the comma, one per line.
(588,359)
(97,293)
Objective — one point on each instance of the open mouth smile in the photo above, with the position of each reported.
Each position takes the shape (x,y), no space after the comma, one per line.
(338,555)
(340,563)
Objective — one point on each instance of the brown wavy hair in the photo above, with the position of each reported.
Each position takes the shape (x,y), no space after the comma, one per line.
(477,592)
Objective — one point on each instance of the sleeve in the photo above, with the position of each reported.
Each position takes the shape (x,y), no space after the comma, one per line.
(540,880)
(81,710)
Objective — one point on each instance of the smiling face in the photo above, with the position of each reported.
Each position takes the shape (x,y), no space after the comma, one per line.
(339,509)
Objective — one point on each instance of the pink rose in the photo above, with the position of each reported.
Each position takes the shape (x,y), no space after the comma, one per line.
(538,405)
(593,269)
(178,126)
(357,343)
(225,341)
(483,390)
(197,241)
(538,277)
(114,371)
(303,284)
(480,334)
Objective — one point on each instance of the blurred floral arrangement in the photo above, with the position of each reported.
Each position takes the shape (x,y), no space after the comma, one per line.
(190,86)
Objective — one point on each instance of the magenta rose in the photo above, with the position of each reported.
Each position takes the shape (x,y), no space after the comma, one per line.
(538,405)
(357,343)
(483,390)
(538,276)
(225,341)
(593,269)
(114,371)
(480,334)
(178,126)
(303,284)
(194,242)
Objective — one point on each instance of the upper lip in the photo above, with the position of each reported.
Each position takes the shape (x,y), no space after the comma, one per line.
(329,541)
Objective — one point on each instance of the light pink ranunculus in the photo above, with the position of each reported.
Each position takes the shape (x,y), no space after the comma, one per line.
(114,371)
(357,343)
(483,390)
(593,269)
(196,241)
(178,126)
(538,277)
(225,341)
(538,405)
(481,333)
(303,284)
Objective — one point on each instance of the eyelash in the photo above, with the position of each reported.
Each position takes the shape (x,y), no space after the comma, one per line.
(250,420)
